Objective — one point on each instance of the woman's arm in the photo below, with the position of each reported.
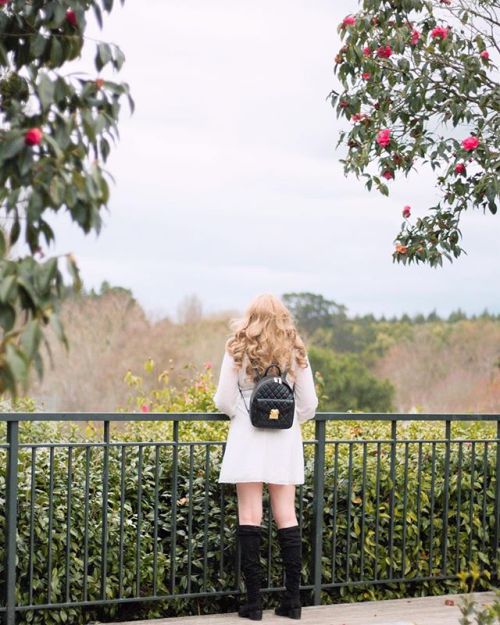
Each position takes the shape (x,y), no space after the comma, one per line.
(306,400)
(227,392)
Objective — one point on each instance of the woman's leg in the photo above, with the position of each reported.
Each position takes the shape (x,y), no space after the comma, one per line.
(249,502)
(283,504)
(290,541)
(249,533)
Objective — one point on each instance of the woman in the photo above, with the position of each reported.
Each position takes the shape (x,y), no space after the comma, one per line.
(266,335)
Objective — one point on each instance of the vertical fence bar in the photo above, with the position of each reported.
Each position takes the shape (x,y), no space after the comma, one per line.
(496,533)
(104,536)
(173,530)
(444,539)
(319,486)
(394,425)
(11,520)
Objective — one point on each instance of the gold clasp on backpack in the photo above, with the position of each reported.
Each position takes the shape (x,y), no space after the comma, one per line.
(274,414)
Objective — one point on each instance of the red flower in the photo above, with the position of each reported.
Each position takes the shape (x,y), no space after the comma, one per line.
(145,408)
(350,20)
(406,212)
(448,2)
(366,75)
(440,32)
(460,168)
(384,137)
(384,52)
(485,55)
(99,83)
(343,104)
(388,174)
(470,143)
(71,18)
(208,365)
(367,51)
(401,249)
(4,2)
(33,136)
(415,37)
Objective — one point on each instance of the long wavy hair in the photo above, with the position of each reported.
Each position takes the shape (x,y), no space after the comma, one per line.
(266,335)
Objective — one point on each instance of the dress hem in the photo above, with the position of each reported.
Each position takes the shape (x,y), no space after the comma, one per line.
(256,480)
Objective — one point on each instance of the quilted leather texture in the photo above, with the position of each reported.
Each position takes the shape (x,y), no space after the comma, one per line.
(272,404)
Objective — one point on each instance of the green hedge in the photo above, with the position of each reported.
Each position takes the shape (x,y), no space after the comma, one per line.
(218,524)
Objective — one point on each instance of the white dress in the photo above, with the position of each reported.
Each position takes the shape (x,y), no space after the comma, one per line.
(262,454)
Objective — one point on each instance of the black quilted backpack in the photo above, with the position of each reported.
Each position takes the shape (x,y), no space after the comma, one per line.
(272,403)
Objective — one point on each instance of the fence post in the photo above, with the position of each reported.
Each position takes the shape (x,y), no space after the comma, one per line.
(318,494)
(496,531)
(11,521)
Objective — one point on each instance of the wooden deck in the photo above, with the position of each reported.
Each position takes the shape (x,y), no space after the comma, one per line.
(419,611)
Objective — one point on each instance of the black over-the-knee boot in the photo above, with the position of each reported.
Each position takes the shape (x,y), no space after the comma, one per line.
(249,537)
(290,542)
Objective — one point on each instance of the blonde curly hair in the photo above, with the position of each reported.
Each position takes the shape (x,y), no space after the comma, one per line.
(266,335)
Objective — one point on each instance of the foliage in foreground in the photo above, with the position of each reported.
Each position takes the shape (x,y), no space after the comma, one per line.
(56,132)
(410,69)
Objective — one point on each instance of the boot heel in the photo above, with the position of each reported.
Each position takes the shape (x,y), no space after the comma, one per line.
(295,613)
(256,615)
(290,612)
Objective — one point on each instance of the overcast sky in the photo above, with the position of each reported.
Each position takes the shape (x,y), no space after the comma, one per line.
(227,179)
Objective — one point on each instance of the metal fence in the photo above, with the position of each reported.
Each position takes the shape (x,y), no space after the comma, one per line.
(362,497)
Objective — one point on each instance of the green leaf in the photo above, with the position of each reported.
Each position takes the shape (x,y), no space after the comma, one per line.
(30,338)
(45,91)
(3,243)
(103,56)
(16,361)
(6,288)
(37,45)
(56,191)
(45,274)
(11,148)
(15,231)
(58,328)
(56,52)
(7,316)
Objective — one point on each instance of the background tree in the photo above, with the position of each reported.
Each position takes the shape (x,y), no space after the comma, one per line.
(346,383)
(420,83)
(56,131)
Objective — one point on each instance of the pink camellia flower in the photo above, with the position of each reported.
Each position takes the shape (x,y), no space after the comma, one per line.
(4,2)
(145,408)
(406,212)
(350,20)
(33,136)
(357,117)
(367,51)
(71,18)
(440,32)
(460,168)
(485,55)
(384,137)
(415,37)
(366,75)
(384,52)
(388,174)
(470,143)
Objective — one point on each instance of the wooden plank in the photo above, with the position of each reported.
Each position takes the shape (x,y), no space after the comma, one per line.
(410,611)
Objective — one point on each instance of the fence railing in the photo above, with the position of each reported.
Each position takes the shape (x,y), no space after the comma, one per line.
(372,511)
